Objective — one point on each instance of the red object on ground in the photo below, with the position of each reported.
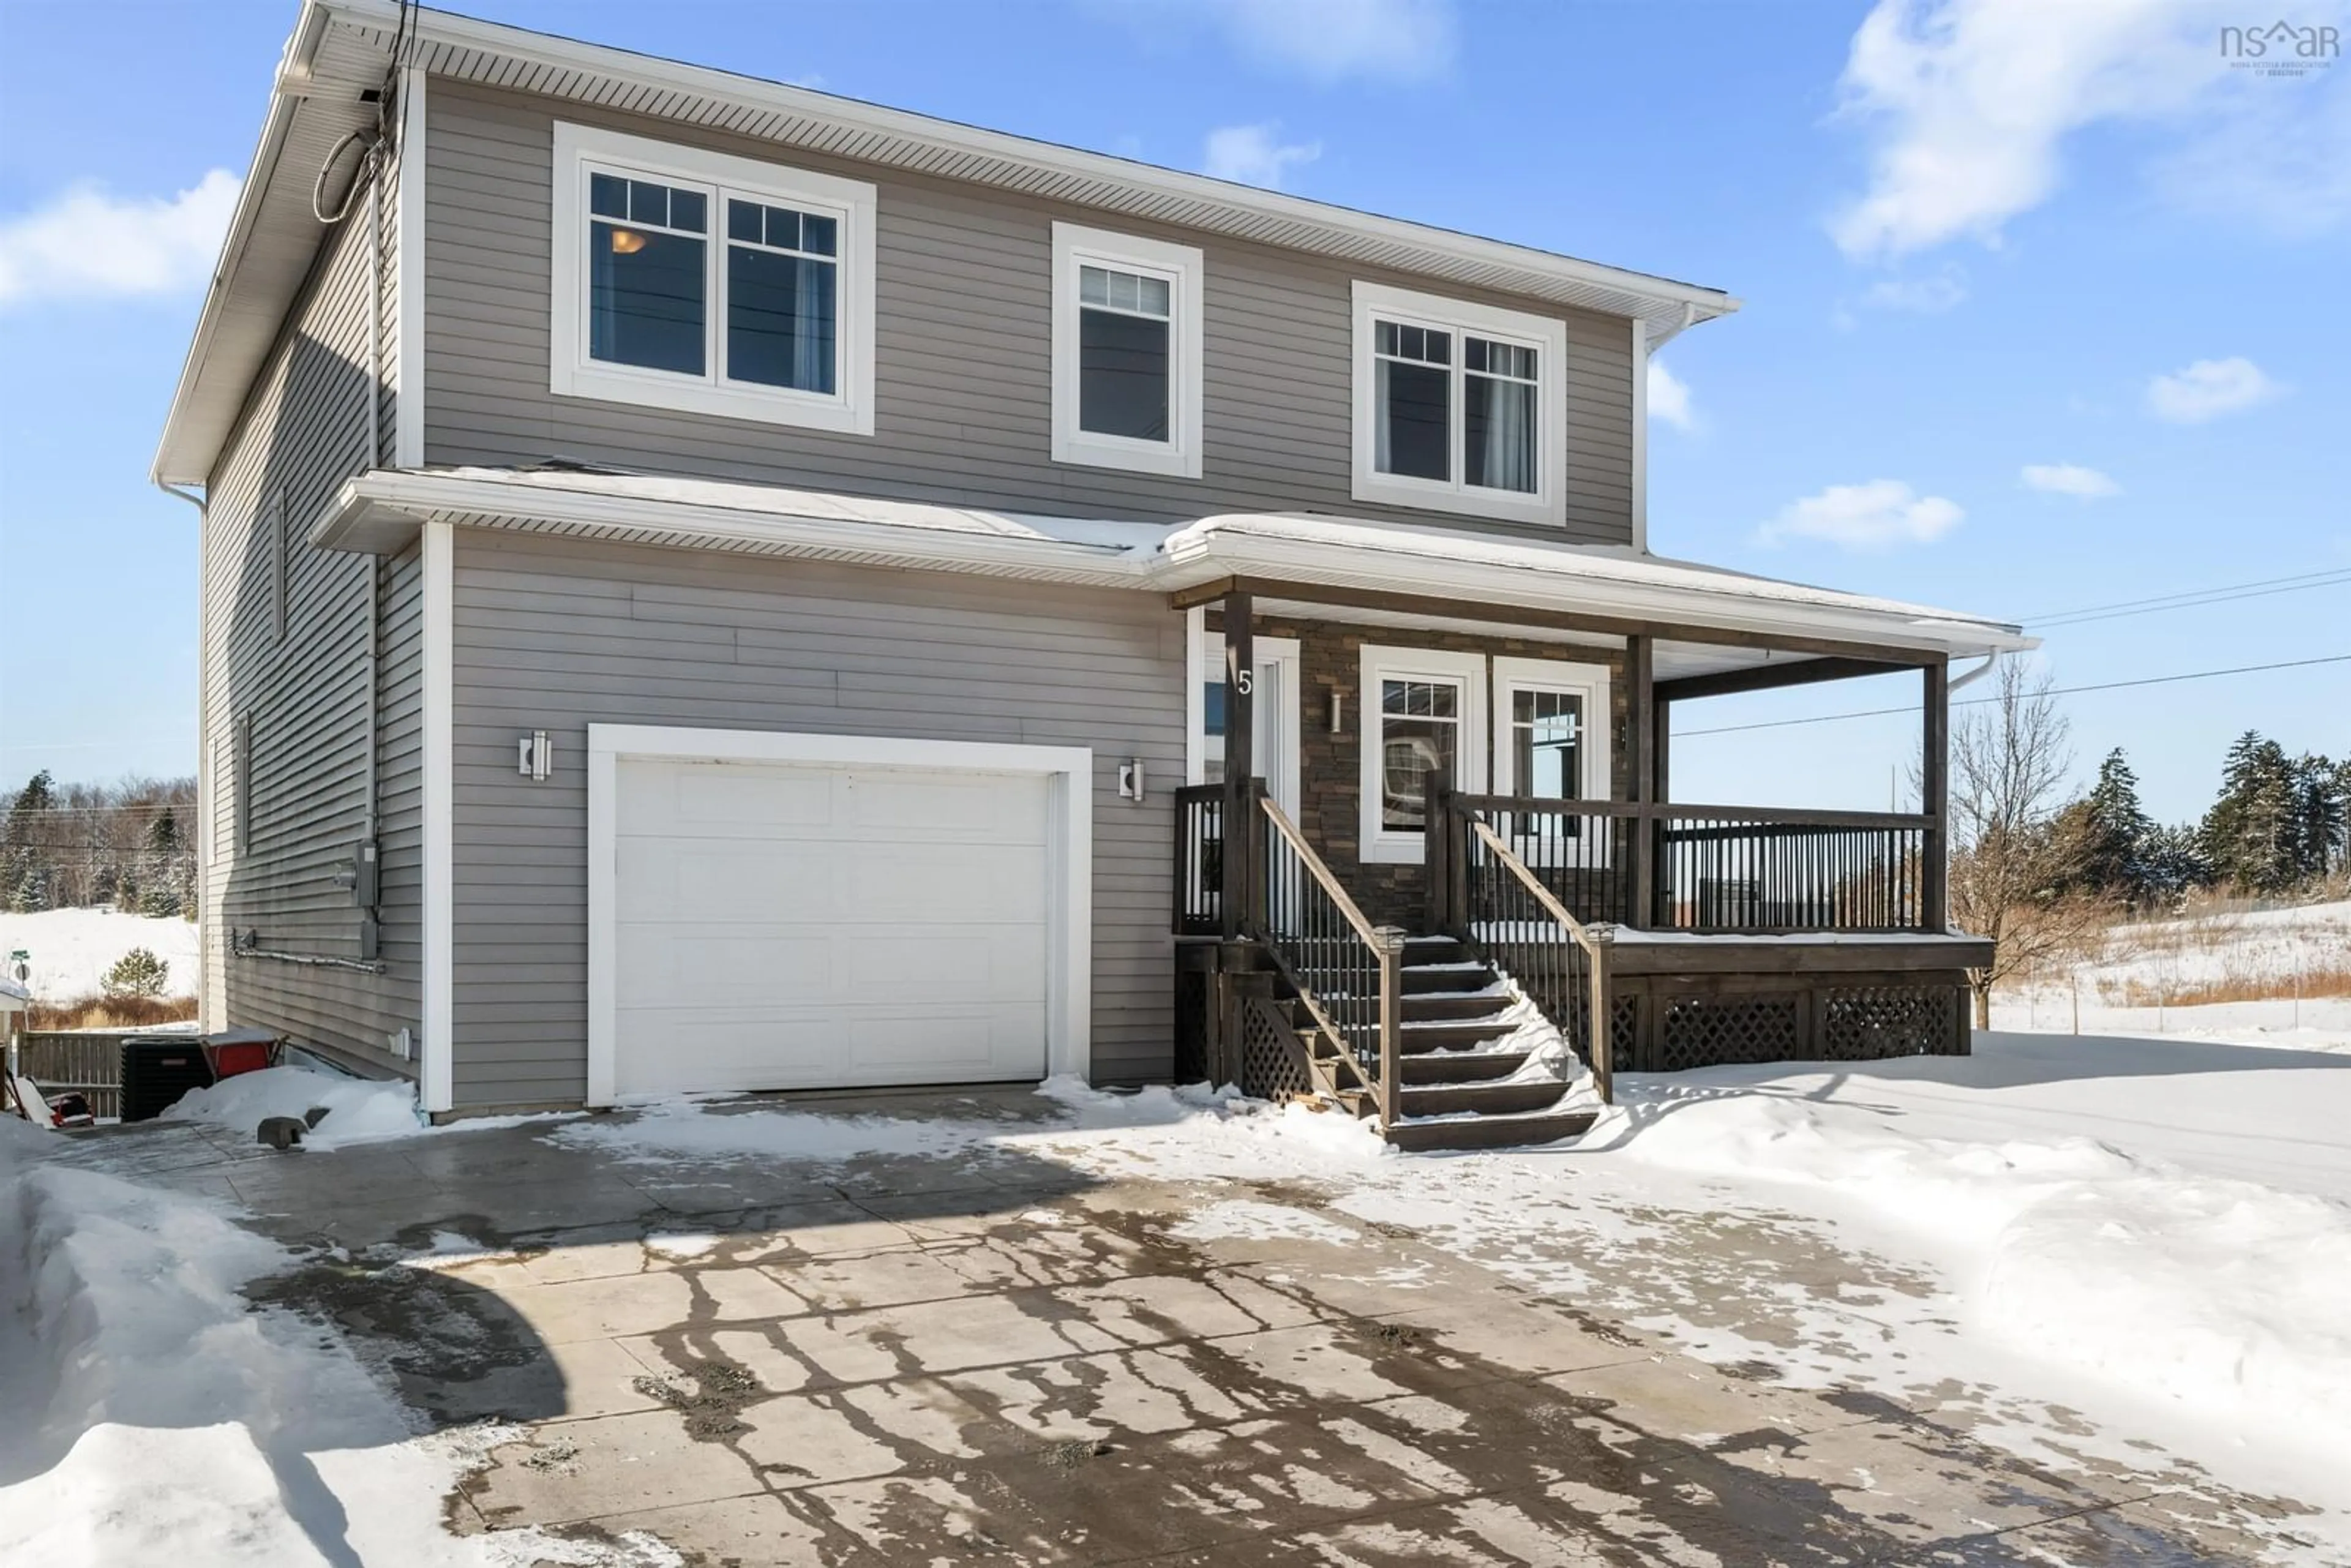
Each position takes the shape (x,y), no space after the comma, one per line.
(236,1051)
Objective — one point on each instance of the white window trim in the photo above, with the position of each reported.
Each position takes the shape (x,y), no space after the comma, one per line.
(1068,1006)
(571,374)
(1383,846)
(1074,246)
(1590,683)
(1547,336)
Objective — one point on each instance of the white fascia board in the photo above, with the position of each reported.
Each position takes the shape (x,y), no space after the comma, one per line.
(380,510)
(293,70)
(1197,555)
(358,518)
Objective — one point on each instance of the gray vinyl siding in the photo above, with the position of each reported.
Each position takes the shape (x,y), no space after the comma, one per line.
(556,634)
(304,696)
(962,359)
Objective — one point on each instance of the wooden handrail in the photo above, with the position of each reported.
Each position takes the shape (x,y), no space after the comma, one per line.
(1387,946)
(1543,895)
(1602,1015)
(1314,862)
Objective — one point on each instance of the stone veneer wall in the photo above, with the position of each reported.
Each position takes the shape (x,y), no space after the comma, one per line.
(1330,660)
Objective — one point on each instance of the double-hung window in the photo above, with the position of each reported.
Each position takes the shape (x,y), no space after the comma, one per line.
(1457,406)
(696,281)
(1127,351)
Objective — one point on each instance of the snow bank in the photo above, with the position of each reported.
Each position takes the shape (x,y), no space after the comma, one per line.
(71,949)
(2219,1296)
(153,1414)
(358,1110)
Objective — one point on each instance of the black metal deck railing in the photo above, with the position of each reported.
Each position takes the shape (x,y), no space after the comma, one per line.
(1719,869)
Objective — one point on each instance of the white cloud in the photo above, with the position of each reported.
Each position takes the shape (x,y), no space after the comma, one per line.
(1670,397)
(88,244)
(1970,102)
(1253,155)
(2208,389)
(1881,513)
(1931,295)
(1327,41)
(2069,480)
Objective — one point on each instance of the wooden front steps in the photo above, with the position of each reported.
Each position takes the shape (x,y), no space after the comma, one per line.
(1454,1065)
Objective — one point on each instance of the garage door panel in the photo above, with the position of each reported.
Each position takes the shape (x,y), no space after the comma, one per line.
(782,1049)
(888,804)
(792,926)
(725,964)
(720,799)
(999,966)
(975,884)
(665,879)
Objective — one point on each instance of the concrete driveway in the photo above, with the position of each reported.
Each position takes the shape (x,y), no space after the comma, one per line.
(988,1356)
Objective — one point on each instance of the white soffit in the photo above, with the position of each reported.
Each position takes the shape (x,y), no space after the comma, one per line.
(341,47)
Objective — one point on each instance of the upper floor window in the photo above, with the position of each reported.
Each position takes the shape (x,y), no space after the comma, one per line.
(696,281)
(1127,351)
(1457,406)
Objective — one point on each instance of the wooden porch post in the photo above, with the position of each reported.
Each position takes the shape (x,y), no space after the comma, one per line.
(1640,719)
(1240,765)
(1935,796)
(1661,739)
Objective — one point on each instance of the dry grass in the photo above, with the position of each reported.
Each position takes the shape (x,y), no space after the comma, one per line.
(110,1012)
(2327,981)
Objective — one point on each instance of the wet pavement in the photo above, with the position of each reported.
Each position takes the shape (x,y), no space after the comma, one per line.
(992,1357)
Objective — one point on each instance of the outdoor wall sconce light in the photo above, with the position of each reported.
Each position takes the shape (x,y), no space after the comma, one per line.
(1338,711)
(535,759)
(1130,779)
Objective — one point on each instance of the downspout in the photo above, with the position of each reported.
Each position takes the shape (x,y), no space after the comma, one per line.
(1979,672)
(201,844)
(372,596)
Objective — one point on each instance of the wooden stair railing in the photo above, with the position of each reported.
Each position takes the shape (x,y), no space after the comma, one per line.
(1495,905)
(1346,971)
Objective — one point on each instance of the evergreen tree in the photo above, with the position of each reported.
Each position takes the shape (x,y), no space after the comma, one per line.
(161,877)
(2320,828)
(25,874)
(2172,863)
(2114,830)
(2251,835)
(138,973)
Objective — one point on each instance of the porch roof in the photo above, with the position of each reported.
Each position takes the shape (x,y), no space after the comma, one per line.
(1335,557)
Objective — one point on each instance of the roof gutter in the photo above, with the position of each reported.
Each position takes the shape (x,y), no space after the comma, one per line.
(287,89)
(380,510)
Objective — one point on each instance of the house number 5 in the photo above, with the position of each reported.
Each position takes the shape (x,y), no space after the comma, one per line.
(1244,680)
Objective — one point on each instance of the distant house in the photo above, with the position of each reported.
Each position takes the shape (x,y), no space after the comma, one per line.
(709,585)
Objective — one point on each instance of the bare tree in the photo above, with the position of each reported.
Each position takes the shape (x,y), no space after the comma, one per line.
(2011,852)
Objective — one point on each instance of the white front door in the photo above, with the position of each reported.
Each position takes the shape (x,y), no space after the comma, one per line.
(790,925)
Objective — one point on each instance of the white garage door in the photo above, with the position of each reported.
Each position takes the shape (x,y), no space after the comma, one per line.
(823,925)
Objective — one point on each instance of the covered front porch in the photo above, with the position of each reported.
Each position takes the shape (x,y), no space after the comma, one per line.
(1497,776)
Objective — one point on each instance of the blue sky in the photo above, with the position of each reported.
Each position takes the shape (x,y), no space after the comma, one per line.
(1974,237)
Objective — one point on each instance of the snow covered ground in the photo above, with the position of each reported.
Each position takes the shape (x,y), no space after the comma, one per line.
(2133,986)
(2092,1251)
(71,949)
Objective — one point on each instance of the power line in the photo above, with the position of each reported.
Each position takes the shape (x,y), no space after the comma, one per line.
(2189,598)
(2054,691)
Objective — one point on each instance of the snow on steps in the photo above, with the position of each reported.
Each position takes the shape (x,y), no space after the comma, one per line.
(1481,1066)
